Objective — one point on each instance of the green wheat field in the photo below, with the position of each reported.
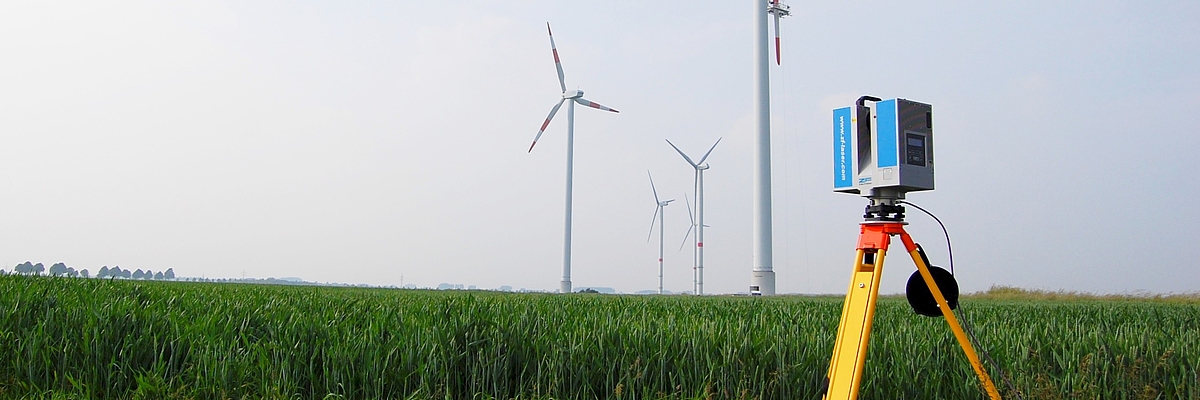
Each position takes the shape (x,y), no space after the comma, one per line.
(67,338)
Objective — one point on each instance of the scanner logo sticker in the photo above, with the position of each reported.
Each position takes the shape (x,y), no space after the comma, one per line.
(842,142)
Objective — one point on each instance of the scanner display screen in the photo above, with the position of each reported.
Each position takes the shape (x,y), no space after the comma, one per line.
(915,149)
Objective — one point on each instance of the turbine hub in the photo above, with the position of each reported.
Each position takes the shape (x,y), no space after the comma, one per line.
(778,8)
(573,94)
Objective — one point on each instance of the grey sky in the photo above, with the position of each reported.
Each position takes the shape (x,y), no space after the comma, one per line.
(361,142)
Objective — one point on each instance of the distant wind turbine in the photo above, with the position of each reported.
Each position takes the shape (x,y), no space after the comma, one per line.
(575,96)
(660,215)
(698,223)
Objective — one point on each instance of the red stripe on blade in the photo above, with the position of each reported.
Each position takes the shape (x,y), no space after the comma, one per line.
(777,50)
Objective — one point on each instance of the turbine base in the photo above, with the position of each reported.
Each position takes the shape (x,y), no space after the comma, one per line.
(762,283)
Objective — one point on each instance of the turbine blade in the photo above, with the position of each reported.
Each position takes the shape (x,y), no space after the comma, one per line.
(652,220)
(777,62)
(685,157)
(685,237)
(592,104)
(690,217)
(562,83)
(656,201)
(710,149)
(544,124)
(689,208)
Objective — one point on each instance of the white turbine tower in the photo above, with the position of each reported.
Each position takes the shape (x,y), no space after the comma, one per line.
(660,215)
(575,96)
(698,222)
(762,274)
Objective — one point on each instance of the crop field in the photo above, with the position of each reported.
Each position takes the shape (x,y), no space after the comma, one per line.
(113,339)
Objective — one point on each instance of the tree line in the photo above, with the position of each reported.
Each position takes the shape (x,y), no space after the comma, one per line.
(117,272)
(60,269)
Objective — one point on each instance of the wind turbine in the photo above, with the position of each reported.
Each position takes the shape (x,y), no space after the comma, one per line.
(762,274)
(575,96)
(660,215)
(700,167)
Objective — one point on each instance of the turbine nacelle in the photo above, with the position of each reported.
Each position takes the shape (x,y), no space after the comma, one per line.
(572,94)
(776,7)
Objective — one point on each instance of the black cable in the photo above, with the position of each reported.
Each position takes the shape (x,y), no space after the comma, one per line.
(962,314)
(949,249)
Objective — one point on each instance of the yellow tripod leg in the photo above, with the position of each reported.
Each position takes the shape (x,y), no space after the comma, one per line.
(950,319)
(858,310)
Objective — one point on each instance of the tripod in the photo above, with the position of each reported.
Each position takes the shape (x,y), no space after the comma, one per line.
(882,221)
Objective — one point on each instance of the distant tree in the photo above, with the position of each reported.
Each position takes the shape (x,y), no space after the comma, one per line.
(58,269)
(84,273)
(126,274)
(139,274)
(158,276)
(148,275)
(71,272)
(24,268)
(103,272)
(170,274)
(38,269)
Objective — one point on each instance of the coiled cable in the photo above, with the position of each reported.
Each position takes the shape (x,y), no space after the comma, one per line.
(962,315)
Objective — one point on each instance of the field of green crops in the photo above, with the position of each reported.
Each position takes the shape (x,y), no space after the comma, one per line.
(89,338)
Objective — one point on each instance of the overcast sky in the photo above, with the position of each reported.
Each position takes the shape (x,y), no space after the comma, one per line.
(375,142)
